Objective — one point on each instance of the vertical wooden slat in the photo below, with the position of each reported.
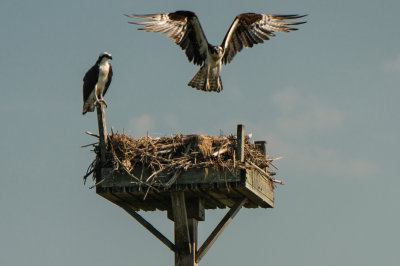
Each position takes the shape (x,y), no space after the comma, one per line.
(182,239)
(261,146)
(101,120)
(190,259)
(240,143)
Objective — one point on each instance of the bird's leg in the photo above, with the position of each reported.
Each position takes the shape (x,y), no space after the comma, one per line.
(101,100)
(219,78)
(206,81)
(208,78)
(95,96)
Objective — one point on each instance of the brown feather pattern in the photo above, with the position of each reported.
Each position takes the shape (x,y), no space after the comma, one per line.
(249,28)
(246,30)
(199,81)
(180,26)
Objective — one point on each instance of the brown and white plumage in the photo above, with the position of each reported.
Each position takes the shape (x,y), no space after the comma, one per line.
(96,82)
(249,28)
(246,30)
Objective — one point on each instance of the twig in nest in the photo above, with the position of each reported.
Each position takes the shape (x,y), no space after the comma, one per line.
(92,134)
(219,152)
(274,166)
(174,145)
(87,174)
(147,144)
(98,183)
(92,144)
(89,171)
(177,172)
(121,164)
(170,156)
(154,174)
(163,151)
(234,158)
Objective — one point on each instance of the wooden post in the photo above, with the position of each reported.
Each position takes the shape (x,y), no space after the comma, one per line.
(261,146)
(185,214)
(189,259)
(101,119)
(183,247)
(240,143)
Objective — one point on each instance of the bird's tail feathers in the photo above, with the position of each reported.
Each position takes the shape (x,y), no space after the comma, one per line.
(199,81)
(87,108)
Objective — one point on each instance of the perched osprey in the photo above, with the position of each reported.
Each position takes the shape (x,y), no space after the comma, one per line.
(184,27)
(96,82)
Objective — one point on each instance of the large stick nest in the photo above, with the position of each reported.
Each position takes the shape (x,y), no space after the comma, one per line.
(168,156)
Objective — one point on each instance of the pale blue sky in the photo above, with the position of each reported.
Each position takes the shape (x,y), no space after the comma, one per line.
(325,98)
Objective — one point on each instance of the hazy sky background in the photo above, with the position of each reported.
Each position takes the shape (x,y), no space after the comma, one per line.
(325,98)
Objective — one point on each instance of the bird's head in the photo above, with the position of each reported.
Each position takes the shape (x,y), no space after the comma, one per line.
(218,50)
(105,55)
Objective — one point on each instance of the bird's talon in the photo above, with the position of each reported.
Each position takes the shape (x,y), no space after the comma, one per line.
(104,103)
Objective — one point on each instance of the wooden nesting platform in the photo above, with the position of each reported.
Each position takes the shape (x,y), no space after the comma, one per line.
(184,192)
(214,189)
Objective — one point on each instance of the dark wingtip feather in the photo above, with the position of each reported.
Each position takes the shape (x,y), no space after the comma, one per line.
(295,16)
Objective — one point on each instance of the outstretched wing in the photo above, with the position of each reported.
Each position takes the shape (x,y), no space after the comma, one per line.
(250,28)
(182,26)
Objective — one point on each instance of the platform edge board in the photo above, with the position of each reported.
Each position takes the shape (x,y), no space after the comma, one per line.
(224,188)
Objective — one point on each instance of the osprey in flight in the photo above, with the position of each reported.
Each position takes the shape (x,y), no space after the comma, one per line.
(246,30)
(96,82)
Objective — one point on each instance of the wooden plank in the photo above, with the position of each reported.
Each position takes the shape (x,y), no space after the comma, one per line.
(206,176)
(177,172)
(252,202)
(192,176)
(195,209)
(148,226)
(261,145)
(106,193)
(249,183)
(253,198)
(160,199)
(260,186)
(189,259)
(124,195)
(216,194)
(219,229)
(229,192)
(240,143)
(182,239)
(209,199)
(193,224)
(153,199)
